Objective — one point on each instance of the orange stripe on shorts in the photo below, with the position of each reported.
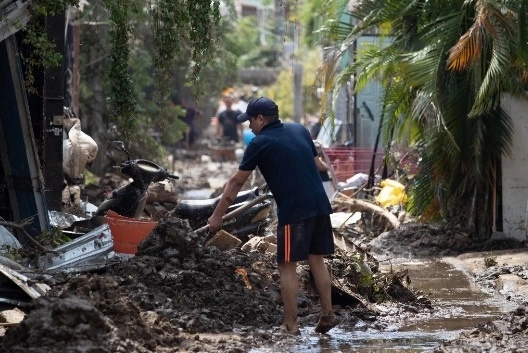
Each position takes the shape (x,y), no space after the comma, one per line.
(287,243)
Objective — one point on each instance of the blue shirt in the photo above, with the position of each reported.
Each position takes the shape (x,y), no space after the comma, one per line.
(284,154)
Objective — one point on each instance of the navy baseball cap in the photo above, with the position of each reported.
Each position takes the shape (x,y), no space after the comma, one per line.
(256,106)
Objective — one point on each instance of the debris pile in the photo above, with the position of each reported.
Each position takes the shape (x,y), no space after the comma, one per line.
(175,287)
(197,286)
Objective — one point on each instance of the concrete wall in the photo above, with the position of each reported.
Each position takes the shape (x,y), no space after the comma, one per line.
(371,96)
(515,171)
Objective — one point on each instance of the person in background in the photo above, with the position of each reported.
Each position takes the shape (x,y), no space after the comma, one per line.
(188,115)
(190,133)
(288,160)
(228,127)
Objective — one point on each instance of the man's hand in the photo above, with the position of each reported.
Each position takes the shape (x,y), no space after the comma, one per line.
(233,186)
(215,222)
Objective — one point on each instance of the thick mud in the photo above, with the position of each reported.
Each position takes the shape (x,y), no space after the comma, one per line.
(416,240)
(178,295)
(507,333)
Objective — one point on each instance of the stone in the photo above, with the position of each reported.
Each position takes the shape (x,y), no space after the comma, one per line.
(263,245)
(272,248)
(251,244)
(13,316)
(508,283)
(270,239)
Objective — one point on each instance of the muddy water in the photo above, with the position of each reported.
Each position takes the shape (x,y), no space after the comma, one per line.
(458,306)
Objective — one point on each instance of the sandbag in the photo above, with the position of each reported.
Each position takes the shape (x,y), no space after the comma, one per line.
(78,148)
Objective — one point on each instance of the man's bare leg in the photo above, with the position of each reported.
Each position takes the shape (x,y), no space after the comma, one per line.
(289,292)
(323,283)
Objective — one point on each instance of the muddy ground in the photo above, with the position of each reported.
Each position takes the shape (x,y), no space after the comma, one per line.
(499,272)
(177,295)
(498,267)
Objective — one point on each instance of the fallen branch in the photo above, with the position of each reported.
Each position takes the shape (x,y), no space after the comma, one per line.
(337,283)
(360,205)
(26,234)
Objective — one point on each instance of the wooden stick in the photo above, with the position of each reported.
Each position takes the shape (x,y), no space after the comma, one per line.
(8,324)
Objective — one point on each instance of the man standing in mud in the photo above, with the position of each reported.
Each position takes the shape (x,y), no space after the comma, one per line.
(288,160)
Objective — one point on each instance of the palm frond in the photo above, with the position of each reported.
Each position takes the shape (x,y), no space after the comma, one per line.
(468,48)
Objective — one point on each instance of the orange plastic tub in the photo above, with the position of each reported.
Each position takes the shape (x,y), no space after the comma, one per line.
(127,233)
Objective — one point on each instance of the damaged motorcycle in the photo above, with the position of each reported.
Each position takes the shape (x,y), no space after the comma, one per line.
(250,213)
(130,200)
(252,218)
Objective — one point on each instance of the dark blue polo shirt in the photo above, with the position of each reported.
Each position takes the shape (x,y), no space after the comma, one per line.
(284,154)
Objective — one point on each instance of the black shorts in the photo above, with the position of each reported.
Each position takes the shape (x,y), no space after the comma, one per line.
(313,236)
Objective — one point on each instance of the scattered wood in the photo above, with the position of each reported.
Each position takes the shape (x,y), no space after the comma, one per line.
(224,241)
(354,205)
(346,244)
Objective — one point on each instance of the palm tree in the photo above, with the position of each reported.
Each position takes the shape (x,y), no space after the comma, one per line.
(443,74)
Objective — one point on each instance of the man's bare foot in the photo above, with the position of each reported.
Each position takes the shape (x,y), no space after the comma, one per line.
(326,323)
(291,329)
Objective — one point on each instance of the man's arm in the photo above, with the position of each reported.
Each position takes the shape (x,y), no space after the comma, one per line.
(233,186)
(320,164)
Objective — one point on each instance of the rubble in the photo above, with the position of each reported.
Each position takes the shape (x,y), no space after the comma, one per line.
(180,293)
(263,244)
(13,316)
(506,334)
(177,286)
